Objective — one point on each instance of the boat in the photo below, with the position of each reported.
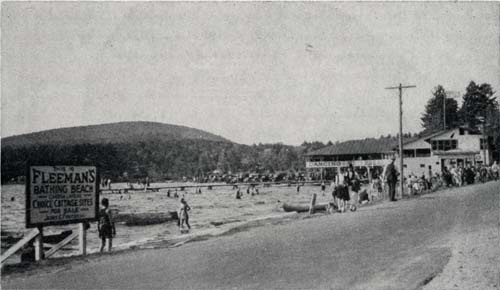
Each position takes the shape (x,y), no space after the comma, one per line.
(144,219)
(303,208)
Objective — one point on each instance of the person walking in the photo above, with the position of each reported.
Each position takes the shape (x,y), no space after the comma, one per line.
(342,190)
(391,177)
(353,183)
(105,225)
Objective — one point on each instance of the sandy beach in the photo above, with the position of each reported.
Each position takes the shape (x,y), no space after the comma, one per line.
(212,211)
(434,248)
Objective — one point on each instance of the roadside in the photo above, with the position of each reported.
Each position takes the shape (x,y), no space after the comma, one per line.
(224,229)
(475,260)
(415,243)
(57,264)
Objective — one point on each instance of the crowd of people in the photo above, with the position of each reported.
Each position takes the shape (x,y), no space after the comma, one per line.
(346,190)
(453,176)
(346,187)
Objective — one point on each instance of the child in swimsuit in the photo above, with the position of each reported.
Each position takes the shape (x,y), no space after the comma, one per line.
(183,214)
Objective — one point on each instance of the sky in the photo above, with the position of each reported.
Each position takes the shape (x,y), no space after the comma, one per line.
(248,71)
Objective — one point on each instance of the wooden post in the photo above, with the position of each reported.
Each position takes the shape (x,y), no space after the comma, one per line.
(82,239)
(401,164)
(38,244)
(313,202)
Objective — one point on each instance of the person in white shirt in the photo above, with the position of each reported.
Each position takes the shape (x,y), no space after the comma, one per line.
(342,190)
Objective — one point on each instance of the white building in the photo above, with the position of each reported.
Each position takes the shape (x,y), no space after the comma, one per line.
(458,146)
(454,147)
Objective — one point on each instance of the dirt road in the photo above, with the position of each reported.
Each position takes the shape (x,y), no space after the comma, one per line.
(407,244)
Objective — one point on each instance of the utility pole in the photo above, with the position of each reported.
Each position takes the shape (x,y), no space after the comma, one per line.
(484,142)
(400,88)
(444,112)
(448,95)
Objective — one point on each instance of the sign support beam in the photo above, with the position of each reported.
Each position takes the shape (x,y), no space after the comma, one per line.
(82,239)
(38,244)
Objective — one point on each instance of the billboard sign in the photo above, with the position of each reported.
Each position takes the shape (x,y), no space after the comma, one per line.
(57,195)
(356,163)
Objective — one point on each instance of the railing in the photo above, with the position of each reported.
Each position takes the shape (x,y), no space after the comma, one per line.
(38,244)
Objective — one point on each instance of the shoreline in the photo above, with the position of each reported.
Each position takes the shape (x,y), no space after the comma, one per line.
(179,240)
(455,259)
(226,229)
(44,266)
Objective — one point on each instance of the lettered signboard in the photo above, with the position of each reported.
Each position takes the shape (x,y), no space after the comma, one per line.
(57,195)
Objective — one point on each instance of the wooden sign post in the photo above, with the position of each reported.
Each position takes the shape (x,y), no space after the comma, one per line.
(82,240)
(60,195)
(38,244)
(313,203)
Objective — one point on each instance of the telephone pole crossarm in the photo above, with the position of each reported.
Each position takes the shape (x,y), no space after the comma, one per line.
(402,87)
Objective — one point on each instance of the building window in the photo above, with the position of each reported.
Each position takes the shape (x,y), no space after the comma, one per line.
(404,165)
(444,145)
(422,165)
(409,153)
(423,152)
(484,144)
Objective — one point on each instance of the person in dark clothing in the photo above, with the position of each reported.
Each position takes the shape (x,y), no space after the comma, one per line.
(391,176)
(105,225)
(469,175)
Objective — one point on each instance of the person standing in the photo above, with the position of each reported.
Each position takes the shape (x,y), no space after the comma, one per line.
(105,225)
(495,169)
(391,177)
(342,190)
(183,214)
(353,182)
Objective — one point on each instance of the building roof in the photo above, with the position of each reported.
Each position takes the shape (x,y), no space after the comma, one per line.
(471,131)
(353,147)
(427,137)
(424,137)
(374,146)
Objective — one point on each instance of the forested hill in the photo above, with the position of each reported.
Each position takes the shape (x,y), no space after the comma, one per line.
(114,133)
(131,150)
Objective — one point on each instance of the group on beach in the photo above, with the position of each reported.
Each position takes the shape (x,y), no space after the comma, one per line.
(106,225)
(251,189)
(346,187)
(452,176)
(346,181)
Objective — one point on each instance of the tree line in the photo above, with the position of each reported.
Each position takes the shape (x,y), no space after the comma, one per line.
(161,159)
(174,159)
(479,110)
